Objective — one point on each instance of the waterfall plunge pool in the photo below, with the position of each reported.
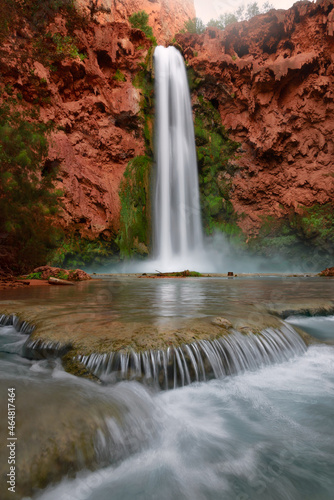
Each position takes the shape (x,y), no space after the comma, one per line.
(259,434)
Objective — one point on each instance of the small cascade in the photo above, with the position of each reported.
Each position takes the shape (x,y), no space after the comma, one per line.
(19,325)
(39,349)
(177,222)
(198,361)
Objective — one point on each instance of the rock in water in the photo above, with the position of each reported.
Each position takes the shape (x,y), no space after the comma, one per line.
(57,281)
(329,271)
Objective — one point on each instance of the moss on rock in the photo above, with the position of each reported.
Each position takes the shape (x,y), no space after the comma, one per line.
(134,235)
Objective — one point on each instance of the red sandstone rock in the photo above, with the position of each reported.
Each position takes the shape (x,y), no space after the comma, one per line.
(73,275)
(327,272)
(272,80)
(166,17)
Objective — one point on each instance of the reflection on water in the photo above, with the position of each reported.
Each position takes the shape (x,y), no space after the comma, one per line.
(150,300)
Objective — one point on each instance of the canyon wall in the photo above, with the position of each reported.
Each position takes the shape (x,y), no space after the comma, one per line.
(93,96)
(166,17)
(271,78)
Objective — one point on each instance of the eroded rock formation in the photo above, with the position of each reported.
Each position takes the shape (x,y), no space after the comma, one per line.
(166,17)
(271,79)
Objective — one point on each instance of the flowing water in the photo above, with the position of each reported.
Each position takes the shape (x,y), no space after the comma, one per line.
(177,216)
(261,432)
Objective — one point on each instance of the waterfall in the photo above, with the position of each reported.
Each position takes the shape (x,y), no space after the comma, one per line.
(177,217)
(198,361)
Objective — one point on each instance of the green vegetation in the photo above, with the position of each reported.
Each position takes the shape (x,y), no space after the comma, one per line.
(135,222)
(305,237)
(194,25)
(119,76)
(51,49)
(316,222)
(27,196)
(243,13)
(182,274)
(34,276)
(76,252)
(134,235)
(139,20)
(214,154)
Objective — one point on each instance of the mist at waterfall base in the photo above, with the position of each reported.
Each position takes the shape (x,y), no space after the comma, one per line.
(178,240)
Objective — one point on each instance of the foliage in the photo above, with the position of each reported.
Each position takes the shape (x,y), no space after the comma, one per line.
(139,21)
(223,20)
(306,237)
(34,276)
(315,223)
(51,49)
(134,234)
(243,13)
(119,76)
(143,80)
(27,196)
(135,221)
(76,252)
(194,25)
(214,152)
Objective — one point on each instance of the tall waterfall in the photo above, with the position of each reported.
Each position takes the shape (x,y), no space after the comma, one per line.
(177,217)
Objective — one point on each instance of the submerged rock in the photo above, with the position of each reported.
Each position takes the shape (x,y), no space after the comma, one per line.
(71,427)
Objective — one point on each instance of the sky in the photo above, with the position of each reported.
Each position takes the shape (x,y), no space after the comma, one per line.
(211,9)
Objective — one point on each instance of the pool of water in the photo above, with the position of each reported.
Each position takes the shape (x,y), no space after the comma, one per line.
(155,300)
(264,434)
(320,327)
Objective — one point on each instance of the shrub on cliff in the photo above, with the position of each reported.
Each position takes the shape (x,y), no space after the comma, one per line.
(27,197)
(139,21)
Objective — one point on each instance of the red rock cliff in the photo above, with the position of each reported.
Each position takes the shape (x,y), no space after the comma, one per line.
(272,79)
(166,17)
(93,102)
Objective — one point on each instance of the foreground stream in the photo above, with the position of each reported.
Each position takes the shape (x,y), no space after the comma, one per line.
(263,434)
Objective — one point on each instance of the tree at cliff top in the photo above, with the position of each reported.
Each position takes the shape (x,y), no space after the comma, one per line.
(27,196)
(242,13)
(194,25)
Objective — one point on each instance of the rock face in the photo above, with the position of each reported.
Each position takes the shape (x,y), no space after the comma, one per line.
(271,78)
(166,17)
(327,272)
(94,103)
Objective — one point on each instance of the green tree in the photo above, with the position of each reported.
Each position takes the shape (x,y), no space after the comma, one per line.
(27,196)
(194,25)
(223,20)
(139,20)
(243,13)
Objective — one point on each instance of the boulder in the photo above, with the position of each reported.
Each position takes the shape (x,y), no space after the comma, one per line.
(62,274)
(329,271)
